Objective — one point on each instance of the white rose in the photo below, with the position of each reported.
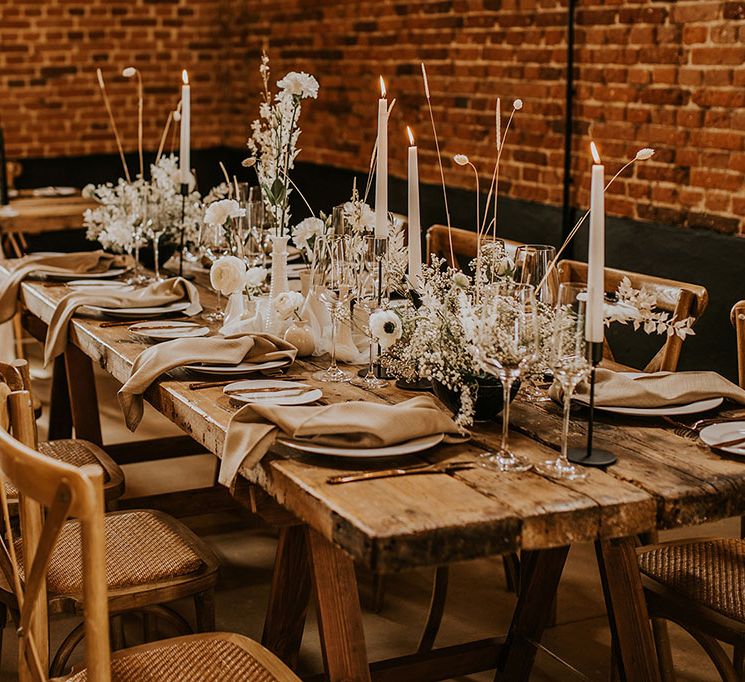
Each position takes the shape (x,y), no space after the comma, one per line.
(287,303)
(228,274)
(299,85)
(255,277)
(305,230)
(219,212)
(386,327)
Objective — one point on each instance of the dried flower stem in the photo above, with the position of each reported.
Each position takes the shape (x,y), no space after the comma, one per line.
(173,132)
(102,86)
(576,227)
(227,179)
(439,161)
(494,187)
(302,196)
(140,107)
(163,137)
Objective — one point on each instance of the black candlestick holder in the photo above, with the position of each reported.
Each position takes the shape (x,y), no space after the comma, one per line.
(184,194)
(591,456)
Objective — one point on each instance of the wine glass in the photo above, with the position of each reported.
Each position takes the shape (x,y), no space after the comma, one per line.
(507,343)
(333,283)
(532,263)
(214,244)
(570,364)
(366,298)
(155,228)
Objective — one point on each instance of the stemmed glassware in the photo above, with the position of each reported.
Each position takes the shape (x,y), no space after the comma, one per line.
(214,245)
(333,283)
(507,343)
(366,298)
(155,229)
(570,364)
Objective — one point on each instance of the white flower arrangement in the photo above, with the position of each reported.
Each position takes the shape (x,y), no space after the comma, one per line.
(274,136)
(228,275)
(221,212)
(305,234)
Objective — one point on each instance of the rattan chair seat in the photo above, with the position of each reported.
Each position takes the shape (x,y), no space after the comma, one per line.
(214,657)
(72,451)
(142,547)
(710,572)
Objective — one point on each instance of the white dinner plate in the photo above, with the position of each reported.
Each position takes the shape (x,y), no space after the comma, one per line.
(164,330)
(55,191)
(64,277)
(408,448)
(667,410)
(98,284)
(240,368)
(723,432)
(129,313)
(281,397)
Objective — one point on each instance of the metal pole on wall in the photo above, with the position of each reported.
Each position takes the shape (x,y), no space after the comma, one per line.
(568,212)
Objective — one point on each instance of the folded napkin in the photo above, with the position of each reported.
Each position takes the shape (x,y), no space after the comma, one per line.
(254,428)
(656,389)
(156,360)
(64,263)
(153,295)
(352,346)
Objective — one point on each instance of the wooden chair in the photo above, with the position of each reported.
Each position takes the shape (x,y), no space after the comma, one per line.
(681,299)
(464,244)
(151,559)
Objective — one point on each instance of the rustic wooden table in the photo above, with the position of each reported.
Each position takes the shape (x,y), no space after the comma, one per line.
(660,481)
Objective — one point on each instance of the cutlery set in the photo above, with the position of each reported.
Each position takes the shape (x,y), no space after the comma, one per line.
(413,470)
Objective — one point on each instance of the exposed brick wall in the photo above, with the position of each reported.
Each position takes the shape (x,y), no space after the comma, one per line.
(664,74)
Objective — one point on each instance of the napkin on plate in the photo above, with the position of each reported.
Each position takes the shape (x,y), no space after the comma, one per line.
(64,263)
(156,360)
(656,389)
(357,424)
(153,295)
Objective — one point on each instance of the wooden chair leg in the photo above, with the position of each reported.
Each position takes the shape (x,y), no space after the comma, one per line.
(116,627)
(204,606)
(436,609)
(511,563)
(664,653)
(738,660)
(18,336)
(3,623)
(60,415)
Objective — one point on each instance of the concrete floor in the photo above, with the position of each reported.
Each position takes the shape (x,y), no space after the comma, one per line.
(576,648)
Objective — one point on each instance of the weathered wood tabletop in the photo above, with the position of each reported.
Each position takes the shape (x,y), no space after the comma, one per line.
(661,480)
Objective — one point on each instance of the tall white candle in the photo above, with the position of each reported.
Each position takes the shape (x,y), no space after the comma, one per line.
(415,238)
(381,172)
(184,149)
(596,255)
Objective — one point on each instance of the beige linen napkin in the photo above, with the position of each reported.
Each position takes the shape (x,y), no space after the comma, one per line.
(254,428)
(656,389)
(156,360)
(65,263)
(153,295)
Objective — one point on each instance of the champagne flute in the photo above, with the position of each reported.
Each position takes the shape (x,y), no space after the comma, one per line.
(570,364)
(333,283)
(507,344)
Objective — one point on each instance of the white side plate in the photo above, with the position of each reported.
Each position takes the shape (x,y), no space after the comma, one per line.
(241,368)
(721,433)
(408,448)
(281,397)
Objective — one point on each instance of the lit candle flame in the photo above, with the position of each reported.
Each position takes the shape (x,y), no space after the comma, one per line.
(594,150)
(411,135)
(185,77)
(382,87)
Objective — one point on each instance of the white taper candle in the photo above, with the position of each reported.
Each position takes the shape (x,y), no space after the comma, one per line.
(415,239)
(596,253)
(184,148)
(381,172)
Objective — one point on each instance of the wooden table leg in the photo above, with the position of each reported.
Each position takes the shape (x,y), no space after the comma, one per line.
(83,401)
(627,609)
(339,612)
(60,416)
(539,580)
(289,596)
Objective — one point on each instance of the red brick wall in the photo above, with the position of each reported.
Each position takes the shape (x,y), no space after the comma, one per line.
(665,74)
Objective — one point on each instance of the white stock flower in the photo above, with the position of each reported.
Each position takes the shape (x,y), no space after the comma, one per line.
(305,230)
(299,85)
(255,277)
(219,212)
(461,159)
(386,327)
(228,275)
(287,303)
(644,154)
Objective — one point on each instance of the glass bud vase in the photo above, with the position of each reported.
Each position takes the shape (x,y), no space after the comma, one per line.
(278,283)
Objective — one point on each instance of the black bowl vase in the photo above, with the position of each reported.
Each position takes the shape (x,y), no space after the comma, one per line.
(489,397)
(165,251)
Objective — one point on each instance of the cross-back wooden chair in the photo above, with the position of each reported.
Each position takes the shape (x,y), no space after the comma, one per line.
(464,244)
(50,494)
(151,559)
(681,299)
(74,451)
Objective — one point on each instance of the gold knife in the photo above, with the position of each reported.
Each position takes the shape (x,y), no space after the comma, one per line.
(441,468)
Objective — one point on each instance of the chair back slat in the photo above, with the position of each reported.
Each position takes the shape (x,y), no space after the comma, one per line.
(680,299)
(465,243)
(49,493)
(737,317)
